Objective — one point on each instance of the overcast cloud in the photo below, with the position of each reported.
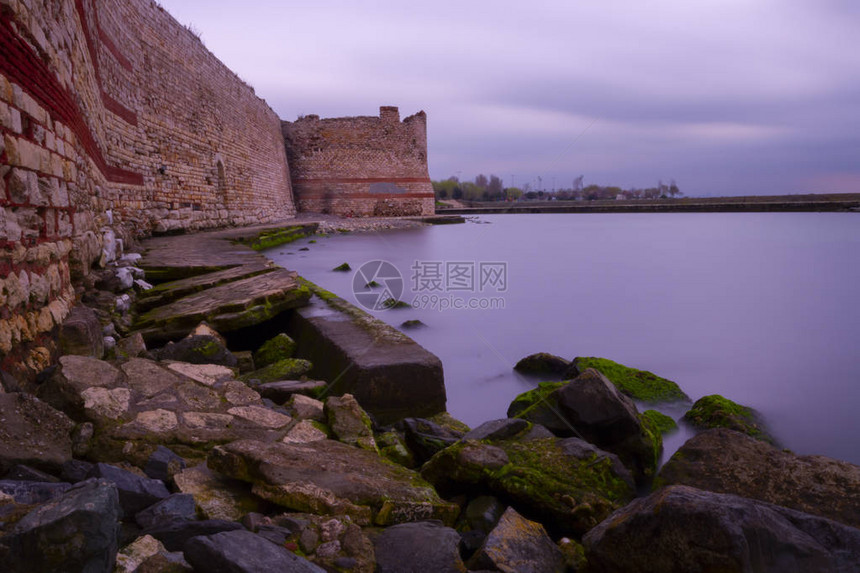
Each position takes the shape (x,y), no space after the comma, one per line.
(725,96)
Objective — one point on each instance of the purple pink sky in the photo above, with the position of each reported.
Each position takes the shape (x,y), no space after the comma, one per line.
(724,96)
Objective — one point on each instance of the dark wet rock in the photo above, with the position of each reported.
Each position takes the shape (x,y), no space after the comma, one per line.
(163,464)
(77,532)
(591,407)
(135,493)
(280,392)
(498,429)
(286,369)
(517,544)
(198,349)
(412,324)
(717,412)
(243,552)
(245,361)
(543,363)
(174,534)
(423,546)
(31,492)
(567,484)
(726,461)
(349,422)
(682,529)
(637,384)
(74,471)
(33,433)
(274,350)
(22,472)
(476,521)
(176,507)
(424,437)
(81,333)
(351,481)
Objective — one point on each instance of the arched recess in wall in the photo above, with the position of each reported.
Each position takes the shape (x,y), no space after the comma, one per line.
(220,180)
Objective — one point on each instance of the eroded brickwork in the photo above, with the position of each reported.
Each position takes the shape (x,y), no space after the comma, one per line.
(115,121)
(360,166)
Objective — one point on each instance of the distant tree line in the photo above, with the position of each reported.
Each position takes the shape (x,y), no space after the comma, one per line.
(491,189)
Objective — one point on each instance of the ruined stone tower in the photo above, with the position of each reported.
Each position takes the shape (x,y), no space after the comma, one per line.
(360,166)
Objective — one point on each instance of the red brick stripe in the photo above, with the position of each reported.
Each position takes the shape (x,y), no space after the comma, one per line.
(20,64)
(111,47)
(363,180)
(347,195)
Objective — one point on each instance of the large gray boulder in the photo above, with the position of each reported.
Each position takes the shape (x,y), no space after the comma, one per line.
(243,552)
(332,478)
(77,532)
(424,546)
(686,530)
(726,461)
(517,545)
(33,433)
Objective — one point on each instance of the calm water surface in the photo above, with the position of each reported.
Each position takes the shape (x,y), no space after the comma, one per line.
(762,308)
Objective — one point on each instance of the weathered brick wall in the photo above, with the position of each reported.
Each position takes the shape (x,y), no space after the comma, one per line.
(114,121)
(360,166)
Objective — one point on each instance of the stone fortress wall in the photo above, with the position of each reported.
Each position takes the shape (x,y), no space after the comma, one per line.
(360,166)
(115,121)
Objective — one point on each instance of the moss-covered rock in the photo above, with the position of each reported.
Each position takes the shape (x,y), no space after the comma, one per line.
(567,484)
(393,447)
(343,267)
(658,421)
(274,350)
(592,408)
(349,422)
(331,478)
(715,411)
(638,384)
(288,369)
(543,363)
(529,399)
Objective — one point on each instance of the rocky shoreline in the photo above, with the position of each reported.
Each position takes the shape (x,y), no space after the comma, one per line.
(234,417)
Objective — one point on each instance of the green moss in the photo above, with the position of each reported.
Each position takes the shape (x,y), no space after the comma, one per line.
(658,421)
(275,237)
(288,369)
(371,284)
(715,411)
(638,384)
(393,303)
(449,422)
(312,241)
(275,349)
(568,494)
(343,267)
(530,399)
